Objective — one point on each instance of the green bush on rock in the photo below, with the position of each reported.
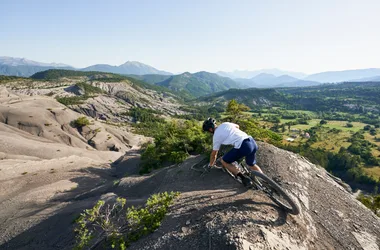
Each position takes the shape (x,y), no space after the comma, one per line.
(80,122)
(174,141)
(117,226)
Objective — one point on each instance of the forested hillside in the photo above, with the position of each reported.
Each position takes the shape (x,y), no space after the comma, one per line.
(198,84)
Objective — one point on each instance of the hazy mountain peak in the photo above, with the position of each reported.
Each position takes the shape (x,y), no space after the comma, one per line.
(15,66)
(266,75)
(127,68)
(263,76)
(252,73)
(344,75)
(287,78)
(16,61)
(135,63)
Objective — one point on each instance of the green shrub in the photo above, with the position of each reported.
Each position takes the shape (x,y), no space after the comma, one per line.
(144,115)
(252,128)
(372,131)
(89,89)
(145,220)
(173,142)
(201,112)
(367,127)
(118,226)
(371,201)
(72,100)
(80,122)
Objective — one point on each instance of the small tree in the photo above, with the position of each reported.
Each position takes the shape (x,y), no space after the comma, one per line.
(235,110)
(80,122)
(367,127)
(372,131)
(323,122)
(349,125)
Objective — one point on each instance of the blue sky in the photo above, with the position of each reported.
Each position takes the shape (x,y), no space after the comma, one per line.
(306,36)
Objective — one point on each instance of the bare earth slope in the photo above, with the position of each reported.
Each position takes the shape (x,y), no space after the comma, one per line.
(47,166)
(111,105)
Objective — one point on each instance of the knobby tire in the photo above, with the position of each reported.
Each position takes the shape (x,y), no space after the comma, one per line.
(291,207)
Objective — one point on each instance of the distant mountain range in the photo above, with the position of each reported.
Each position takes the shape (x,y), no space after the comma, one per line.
(323,77)
(24,67)
(130,67)
(264,80)
(11,66)
(252,73)
(343,76)
(14,61)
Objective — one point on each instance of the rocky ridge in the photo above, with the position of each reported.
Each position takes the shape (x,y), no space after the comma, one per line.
(215,212)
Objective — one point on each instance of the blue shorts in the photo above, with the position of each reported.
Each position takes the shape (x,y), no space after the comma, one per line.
(247,149)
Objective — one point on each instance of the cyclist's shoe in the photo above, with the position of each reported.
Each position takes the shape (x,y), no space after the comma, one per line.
(207,168)
(247,182)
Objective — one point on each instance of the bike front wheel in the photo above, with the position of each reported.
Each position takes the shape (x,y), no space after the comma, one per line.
(276,193)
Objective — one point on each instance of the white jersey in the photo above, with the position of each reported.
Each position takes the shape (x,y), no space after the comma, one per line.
(227,133)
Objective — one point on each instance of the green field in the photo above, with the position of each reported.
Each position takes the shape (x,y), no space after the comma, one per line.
(287,120)
(333,142)
(312,123)
(374,171)
(311,113)
(342,125)
(327,139)
(371,138)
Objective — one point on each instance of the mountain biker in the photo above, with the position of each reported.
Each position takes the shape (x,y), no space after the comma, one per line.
(229,133)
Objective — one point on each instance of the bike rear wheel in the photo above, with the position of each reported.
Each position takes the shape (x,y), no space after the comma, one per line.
(276,193)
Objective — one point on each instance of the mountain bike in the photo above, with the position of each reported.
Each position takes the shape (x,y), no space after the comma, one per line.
(260,182)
